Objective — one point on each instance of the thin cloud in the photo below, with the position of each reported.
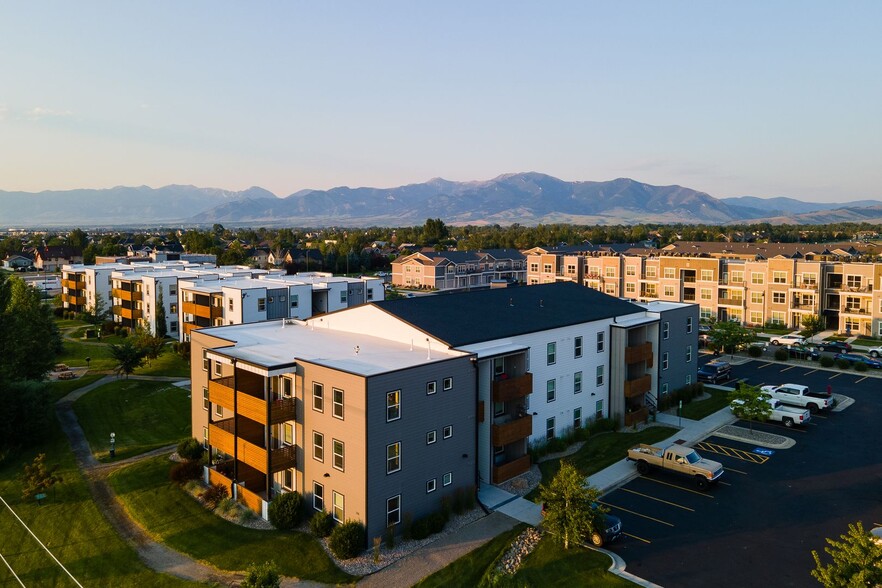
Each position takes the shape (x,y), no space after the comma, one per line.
(38,113)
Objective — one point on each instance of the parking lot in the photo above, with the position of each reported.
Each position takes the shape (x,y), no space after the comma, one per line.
(771,508)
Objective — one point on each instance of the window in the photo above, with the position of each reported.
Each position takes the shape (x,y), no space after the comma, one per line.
(705,293)
(666,329)
(287,387)
(261,304)
(756,317)
(447,479)
(546,267)
(598,376)
(705,313)
(230,304)
(431,437)
(430,485)
(338,454)
(173,289)
(338,507)
(598,409)
(757,278)
(688,379)
(577,382)
(688,353)
(610,272)
(448,383)
(318,496)
(338,403)
(173,326)
(218,369)
(393,405)
(550,390)
(205,401)
(779,297)
(549,428)
(777,317)
(318,397)
(651,271)
(669,291)
(288,434)
(707,275)
(600,337)
(218,410)
(534,267)
(294,300)
(664,388)
(343,294)
(447,431)
(205,437)
(431,387)
(630,270)
(756,297)
(688,324)
(630,287)
(665,360)
(577,347)
(173,308)
(393,511)
(551,353)
(288,479)
(577,418)
(779,277)
(393,457)
(318,446)
(669,273)
(498,408)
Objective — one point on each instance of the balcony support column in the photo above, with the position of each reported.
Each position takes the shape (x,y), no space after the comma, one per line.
(235,425)
(267,434)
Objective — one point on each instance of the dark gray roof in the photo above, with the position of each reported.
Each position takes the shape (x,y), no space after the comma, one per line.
(472,317)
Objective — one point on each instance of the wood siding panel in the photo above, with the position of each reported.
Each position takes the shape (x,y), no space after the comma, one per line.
(250,499)
(221,440)
(512,431)
(511,469)
(638,386)
(512,388)
(638,353)
(252,454)
(252,408)
(220,391)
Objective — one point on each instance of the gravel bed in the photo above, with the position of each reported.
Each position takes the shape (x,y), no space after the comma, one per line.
(756,437)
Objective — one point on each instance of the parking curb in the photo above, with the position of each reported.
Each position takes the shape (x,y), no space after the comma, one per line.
(618,568)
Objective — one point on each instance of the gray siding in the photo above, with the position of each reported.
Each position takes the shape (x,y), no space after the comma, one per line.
(278,308)
(355,294)
(420,462)
(676,346)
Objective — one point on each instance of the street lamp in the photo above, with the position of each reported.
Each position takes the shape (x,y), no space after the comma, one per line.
(88,361)
(113,445)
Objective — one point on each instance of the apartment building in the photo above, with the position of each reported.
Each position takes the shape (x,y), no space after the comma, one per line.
(390,405)
(754,284)
(458,270)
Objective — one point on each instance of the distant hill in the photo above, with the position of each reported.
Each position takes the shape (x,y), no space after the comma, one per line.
(526,198)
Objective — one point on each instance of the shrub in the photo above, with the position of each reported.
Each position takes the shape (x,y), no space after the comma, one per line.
(321,524)
(603,426)
(860,367)
(214,494)
(390,536)
(437,520)
(420,529)
(265,575)
(557,445)
(826,361)
(284,510)
(347,540)
(227,506)
(191,449)
(59,312)
(459,501)
(781,355)
(470,497)
(407,527)
(183,472)
(446,507)
(754,351)
(843,364)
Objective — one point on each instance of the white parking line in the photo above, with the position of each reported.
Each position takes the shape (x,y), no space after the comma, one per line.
(811,372)
(788,368)
(834,376)
(862,379)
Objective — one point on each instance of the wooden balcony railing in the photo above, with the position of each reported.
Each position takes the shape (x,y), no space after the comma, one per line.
(250,499)
(215,477)
(74,284)
(509,470)
(637,353)
(127,313)
(731,301)
(638,386)
(512,388)
(512,431)
(638,416)
(283,458)
(220,436)
(125,294)
(220,391)
(75,300)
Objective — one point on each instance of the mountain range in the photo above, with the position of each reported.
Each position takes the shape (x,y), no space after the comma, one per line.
(525,198)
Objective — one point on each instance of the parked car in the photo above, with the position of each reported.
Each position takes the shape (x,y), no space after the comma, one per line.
(803,352)
(676,458)
(704,328)
(875,352)
(599,537)
(835,346)
(715,371)
(787,340)
(854,358)
(799,395)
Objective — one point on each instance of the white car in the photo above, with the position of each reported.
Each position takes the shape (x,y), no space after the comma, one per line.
(875,352)
(787,340)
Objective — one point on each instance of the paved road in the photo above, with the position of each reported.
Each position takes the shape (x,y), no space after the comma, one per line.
(759,526)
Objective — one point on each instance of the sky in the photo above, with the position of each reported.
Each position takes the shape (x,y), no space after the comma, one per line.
(732,98)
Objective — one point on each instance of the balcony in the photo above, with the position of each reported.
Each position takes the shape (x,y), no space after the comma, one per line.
(638,353)
(127,313)
(220,391)
(855,310)
(638,386)
(204,311)
(74,300)
(640,415)
(731,301)
(512,388)
(74,284)
(804,286)
(125,294)
(512,431)
(688,297)
(868,289)
(511,469)
(689,279)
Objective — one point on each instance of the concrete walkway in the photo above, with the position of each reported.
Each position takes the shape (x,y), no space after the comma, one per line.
(498,500)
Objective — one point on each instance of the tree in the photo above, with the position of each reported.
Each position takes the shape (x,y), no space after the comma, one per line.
(857,560)
(97,313)
(161,327)
(149,344)
(37,478)
(571,509)
(128,357)
(265,575)
(813,323)
(26,413)
(29,337)
(750,403)
(728,336)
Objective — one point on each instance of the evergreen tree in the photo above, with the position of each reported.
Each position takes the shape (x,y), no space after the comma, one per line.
(571,510)
(161,327)
(750,403)
(857,560)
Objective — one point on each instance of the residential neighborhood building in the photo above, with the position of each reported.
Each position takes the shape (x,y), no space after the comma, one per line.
(52,258)
(458,270)
(752,283)
(436,392)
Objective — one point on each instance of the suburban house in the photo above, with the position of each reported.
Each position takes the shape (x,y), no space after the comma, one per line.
(381,409)
(14,262)
(52,258)
(458,270)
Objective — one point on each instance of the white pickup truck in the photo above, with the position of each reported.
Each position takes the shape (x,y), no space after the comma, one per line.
(788,415)
(799,395)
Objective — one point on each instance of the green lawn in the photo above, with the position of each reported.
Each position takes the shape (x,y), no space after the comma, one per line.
(71,526)
(698,409)
(144,415)
(75,353)
(603,450)
(168,363)
(61,388)
(548,565)
(867,342)
(179,521)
